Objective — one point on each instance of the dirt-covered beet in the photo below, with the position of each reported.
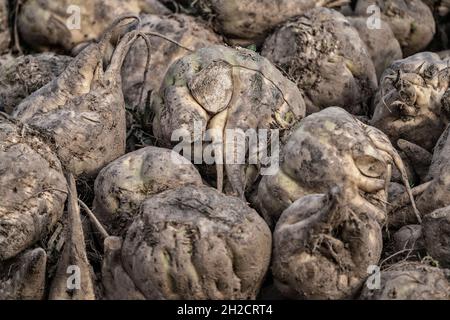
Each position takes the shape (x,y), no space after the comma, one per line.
(5,36)
(83,109)
(381,43)
(436,230)
(23,277)
(411,281)
(249,22)
(53,24)
(195,243)
(32,188)
(124,184)
(226,91)
(332,148)
(323,246)
(20,76)
(411,21)
(327,59)
(413,102)
(185,30)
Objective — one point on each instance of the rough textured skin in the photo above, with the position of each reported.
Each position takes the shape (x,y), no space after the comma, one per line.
(197,243)
(23,277)
(411,281)
(124,184)
(43,24)
(381,43)
(323,246)
(253,94)
(326,57)
(73,254)
(331,148)
(436,229)
(83,109)
(246,22)
(413,102)
(186,30)
(5,36)
(411,21)
(436,195)
(21,76)
(409,237)
(32,189)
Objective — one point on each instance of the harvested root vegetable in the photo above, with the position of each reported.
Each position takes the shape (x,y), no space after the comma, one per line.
(5,36)
(436,230)
(413,102)
(124,184)
(411,21)
(184,30)
(328,60)
(73,255)
(323,247)
(21,76)
(225,91)
(53,24)
(381,43)
(83,109)
(23,277)
(32,188)
(332,148)
(248,22)
(411,281)
(197,243)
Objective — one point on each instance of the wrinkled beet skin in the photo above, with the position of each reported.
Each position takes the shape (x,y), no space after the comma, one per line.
(197,243)
(5,36)
(23,75)
(345,155)
(411,281)
(122,186)
(32,187)
(42,24)
(316,255)
(413,100)
(327,59)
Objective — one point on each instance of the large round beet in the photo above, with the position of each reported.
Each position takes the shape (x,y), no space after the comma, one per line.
(196,243)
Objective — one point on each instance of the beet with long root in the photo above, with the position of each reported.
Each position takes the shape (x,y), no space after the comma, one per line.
(171,37)
(122,186)
(83,109)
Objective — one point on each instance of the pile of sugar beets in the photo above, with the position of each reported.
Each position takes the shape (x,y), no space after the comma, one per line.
(95,203)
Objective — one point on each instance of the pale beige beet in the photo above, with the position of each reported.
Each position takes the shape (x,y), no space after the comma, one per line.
(185,30)
(32,188)
(197,243)
(51,24)
(327,59)
(323,246)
